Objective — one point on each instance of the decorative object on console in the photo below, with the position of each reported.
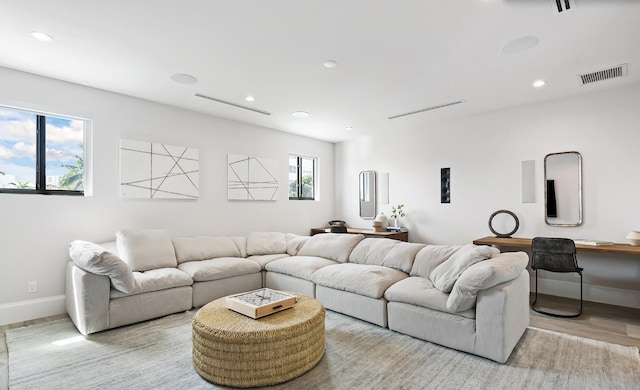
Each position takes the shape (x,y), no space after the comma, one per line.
(338,226)
(504,235)
(377,226)
(382,218)
(397,212)
(582,241)
(251,178)
(634,237)
(445,185)
(153,170)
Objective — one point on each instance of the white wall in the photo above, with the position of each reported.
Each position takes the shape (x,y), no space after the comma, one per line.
(35,230)
(485,154)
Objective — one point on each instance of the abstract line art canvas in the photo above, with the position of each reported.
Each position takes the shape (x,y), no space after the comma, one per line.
(251,178)
(153,170)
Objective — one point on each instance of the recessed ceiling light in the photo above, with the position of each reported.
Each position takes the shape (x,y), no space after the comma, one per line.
(182,78)
(250,98)
(349,128)
(539,83)
(519,45)
(330,64)
(41,36)
(300,114)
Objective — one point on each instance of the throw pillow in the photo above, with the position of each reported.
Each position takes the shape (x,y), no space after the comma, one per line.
(204,248)
(295,242)
(146,249)
(445,275)
(97,260)
(266,243)
(484,275)
(332,246)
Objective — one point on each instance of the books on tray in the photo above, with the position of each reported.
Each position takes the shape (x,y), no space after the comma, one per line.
(394,229)
(581,241)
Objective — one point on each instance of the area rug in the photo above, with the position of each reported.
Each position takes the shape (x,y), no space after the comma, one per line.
(157,355)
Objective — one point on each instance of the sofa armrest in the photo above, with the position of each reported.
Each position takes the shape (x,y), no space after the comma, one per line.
(87,299)
(502,316)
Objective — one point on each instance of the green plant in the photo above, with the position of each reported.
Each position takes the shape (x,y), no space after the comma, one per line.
(72,180)
(23,185)
(397,211)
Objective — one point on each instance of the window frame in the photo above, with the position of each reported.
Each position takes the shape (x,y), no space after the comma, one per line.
(299,175)
(41,154)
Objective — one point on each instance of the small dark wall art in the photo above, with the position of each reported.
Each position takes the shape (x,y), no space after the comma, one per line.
(445,185)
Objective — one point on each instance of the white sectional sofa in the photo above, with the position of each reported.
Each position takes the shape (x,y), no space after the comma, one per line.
(471,298)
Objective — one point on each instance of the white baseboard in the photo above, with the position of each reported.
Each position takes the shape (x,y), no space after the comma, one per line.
(31,309)
(600,294)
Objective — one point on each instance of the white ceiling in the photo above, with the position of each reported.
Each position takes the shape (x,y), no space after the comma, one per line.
(393,56)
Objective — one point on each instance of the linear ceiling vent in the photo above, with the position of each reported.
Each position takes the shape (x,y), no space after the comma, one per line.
(616,71)
(232,104)
(427,109)
(561,6)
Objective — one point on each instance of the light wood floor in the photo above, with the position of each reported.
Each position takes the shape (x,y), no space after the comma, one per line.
(613,324)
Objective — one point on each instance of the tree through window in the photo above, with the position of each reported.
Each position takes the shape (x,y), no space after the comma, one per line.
(41,153)
(302,177)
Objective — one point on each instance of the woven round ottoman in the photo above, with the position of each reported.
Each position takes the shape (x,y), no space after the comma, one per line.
(234,350)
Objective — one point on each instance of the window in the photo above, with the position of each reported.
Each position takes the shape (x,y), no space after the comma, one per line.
(41,153)
(302,177)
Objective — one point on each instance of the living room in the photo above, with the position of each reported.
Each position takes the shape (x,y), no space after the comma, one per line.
(484,150)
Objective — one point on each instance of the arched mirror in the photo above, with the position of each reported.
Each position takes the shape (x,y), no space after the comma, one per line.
(367,194)
(563,189)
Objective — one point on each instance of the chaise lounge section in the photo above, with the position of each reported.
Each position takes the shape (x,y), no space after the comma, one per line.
(471,298)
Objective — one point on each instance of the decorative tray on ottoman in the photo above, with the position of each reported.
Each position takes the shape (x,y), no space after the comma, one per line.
(259,303)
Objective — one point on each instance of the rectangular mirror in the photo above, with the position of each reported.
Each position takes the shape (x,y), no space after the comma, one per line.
(367,194)
(563,189)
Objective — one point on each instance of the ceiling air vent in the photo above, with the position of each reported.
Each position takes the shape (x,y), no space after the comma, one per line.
(561,6)
(427,109)
(616,71)
(232,104)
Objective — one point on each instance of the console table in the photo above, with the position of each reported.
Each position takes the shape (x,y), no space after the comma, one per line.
(402,235)
(525,243)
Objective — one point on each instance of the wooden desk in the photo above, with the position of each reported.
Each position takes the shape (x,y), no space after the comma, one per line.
(525,243)
(369,233)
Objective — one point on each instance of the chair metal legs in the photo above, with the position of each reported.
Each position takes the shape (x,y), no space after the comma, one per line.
(555,314)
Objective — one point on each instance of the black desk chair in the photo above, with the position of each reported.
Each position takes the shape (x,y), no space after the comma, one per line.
(555,255)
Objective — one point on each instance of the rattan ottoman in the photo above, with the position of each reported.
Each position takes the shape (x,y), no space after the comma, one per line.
(234,350)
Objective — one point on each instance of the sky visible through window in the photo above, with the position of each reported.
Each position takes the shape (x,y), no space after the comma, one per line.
(64,140)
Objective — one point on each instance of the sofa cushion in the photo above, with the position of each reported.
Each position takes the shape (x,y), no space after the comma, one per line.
(389,253)
(484,275)
(419,291)
(204,248)
(263,260)
(220,268)
(445,275)
(97,260)
(156,280)
(430,257)
(266,243)
(301,267)
(333,246)
(295,242)
(368,280)
(146,249)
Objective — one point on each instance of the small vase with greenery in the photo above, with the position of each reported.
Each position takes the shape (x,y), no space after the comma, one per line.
(397,212)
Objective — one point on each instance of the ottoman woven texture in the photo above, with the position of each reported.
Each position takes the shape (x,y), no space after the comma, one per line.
(234,350)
